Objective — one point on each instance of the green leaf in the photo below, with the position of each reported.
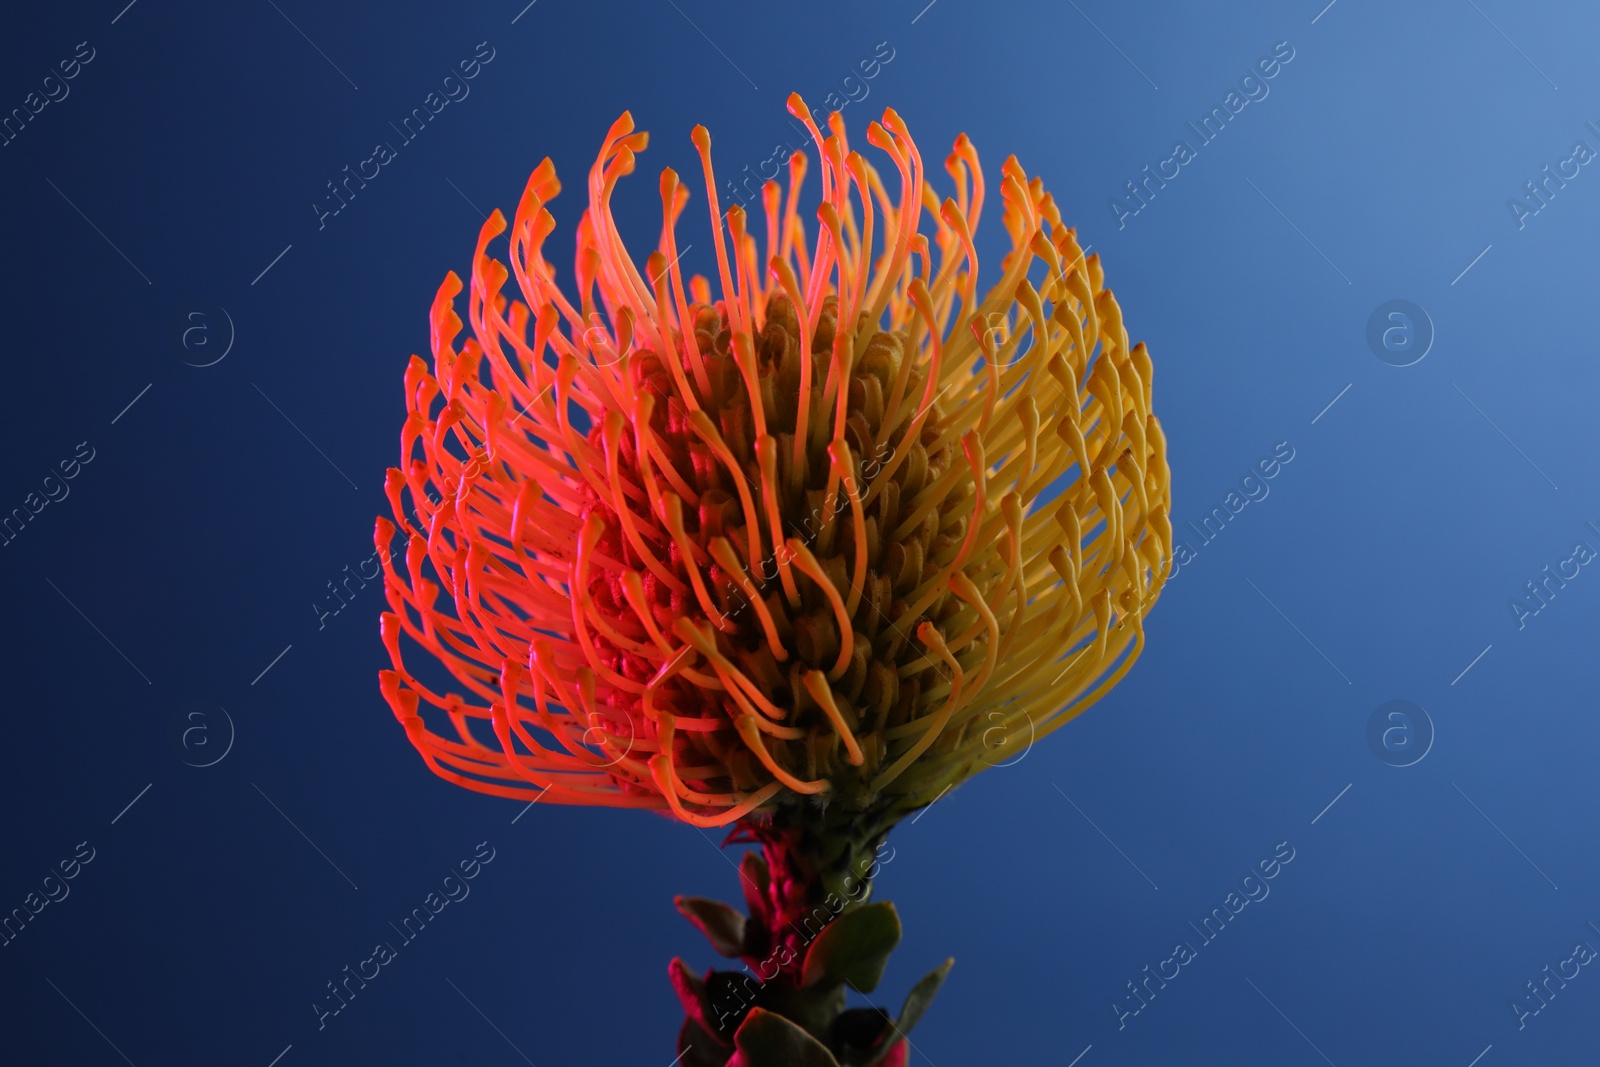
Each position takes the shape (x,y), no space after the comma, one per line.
(696,1048)
(866,1036)
(767,1039)
(854,948)
(723,926)
(920,997)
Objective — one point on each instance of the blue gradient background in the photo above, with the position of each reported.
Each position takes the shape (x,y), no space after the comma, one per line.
(206,527)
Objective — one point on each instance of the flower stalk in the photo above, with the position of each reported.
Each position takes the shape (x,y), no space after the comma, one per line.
(809,937)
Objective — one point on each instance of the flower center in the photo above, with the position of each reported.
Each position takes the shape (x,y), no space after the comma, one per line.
(822,619)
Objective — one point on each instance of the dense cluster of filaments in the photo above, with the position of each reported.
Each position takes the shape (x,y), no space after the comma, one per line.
(842,532)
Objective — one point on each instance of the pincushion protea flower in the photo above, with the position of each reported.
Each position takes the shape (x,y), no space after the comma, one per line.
(795,556)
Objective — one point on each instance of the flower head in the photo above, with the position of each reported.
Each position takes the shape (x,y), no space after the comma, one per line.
(817,541)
